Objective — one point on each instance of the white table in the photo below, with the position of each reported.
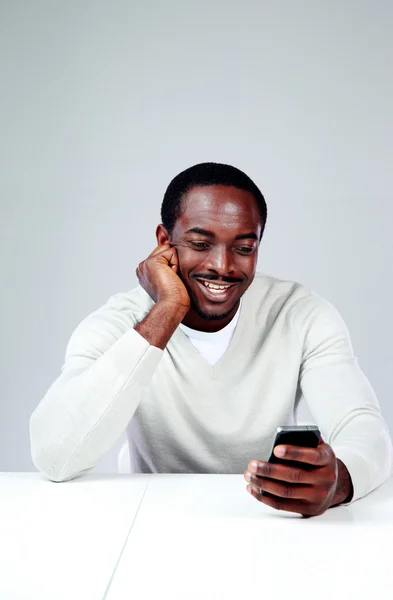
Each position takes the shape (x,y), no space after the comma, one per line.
(186,537)
(63,540)
(204,537)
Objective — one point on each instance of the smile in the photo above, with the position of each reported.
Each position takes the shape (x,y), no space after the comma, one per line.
(212,290)
(215,287)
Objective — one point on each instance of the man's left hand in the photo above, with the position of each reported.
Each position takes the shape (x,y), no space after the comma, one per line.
(308,491)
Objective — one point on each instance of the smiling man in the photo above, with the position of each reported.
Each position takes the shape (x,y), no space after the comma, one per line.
(205,358)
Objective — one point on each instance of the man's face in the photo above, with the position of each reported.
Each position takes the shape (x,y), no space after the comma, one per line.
(217,240)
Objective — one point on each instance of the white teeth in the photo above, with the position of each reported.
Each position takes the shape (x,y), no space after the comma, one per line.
(216,288)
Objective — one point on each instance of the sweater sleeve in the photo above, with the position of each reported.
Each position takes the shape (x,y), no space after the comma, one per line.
(107,368)
(340,397)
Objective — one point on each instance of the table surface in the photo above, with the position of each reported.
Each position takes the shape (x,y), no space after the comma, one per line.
(63,540)
(185,537)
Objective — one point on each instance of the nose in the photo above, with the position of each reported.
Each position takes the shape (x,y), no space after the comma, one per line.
(220,260)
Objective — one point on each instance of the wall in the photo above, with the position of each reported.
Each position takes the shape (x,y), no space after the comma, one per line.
(103,103)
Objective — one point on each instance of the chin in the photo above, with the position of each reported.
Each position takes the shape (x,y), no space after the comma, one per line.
(204,313)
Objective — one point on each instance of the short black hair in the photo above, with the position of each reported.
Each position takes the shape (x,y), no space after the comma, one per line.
(208,173)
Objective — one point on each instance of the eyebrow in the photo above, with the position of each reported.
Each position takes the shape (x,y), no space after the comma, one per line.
(205,232)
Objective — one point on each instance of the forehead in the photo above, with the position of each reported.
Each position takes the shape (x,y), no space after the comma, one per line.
(219,207)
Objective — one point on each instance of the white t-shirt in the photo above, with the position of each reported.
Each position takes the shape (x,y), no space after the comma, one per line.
(212,346)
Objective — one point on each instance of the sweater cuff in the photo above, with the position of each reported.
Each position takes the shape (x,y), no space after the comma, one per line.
(359,471)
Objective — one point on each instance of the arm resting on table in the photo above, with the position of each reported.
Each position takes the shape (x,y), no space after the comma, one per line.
(84,413)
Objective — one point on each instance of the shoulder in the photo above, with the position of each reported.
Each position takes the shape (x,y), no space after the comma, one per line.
(103,327)
(299,303)
(265,286)
(270,294)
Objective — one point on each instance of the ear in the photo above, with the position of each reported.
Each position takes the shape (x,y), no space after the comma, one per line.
(162,235)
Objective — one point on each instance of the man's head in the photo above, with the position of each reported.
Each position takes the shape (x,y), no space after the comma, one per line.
(214,215)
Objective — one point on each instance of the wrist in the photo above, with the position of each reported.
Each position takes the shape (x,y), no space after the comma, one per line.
(175,310)
(344,487)
(160,323)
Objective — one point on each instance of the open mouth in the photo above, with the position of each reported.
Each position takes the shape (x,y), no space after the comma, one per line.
(216,291)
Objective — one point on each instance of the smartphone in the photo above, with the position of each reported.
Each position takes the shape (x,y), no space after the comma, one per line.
(296,435)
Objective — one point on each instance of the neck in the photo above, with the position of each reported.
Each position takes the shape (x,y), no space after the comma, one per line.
(195,321)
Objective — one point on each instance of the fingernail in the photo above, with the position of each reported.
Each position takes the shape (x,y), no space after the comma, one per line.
(248,476)
(253,466)
(248,488)
(279,451)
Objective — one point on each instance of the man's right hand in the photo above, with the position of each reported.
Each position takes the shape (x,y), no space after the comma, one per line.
(158,275)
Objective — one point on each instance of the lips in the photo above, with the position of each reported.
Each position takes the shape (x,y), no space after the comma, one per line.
(216,295)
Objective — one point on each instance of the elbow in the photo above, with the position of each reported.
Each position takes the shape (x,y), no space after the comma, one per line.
(47,465)
(46,452)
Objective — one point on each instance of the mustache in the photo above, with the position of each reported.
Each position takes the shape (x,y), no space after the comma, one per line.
(210,277)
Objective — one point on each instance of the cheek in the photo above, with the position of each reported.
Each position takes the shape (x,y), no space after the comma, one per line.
(247,264)
(187,261)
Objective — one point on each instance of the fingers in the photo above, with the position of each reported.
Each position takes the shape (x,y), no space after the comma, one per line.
(173,259)
(295,488)
(281,472)
(295,506)
(319,456)
(293,497)
(165,251)
(158,249)
(281,489)
(306,500)
(168,252)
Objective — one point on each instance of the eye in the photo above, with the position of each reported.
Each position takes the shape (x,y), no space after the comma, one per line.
(199,245)
(246,250)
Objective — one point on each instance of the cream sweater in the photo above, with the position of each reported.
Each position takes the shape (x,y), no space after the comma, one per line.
(183,415)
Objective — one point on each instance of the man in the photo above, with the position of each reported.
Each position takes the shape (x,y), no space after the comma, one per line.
(203,360)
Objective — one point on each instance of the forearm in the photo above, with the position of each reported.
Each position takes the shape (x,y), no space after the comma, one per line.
(160,323)
(365,447)
(88,408)
(348,412)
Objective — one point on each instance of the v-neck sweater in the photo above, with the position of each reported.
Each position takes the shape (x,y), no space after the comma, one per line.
(212,346)
(183,415)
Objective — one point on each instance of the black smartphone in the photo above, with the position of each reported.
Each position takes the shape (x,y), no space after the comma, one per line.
(307,436)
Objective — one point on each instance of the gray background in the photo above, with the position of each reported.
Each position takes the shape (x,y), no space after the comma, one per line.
(102,103)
